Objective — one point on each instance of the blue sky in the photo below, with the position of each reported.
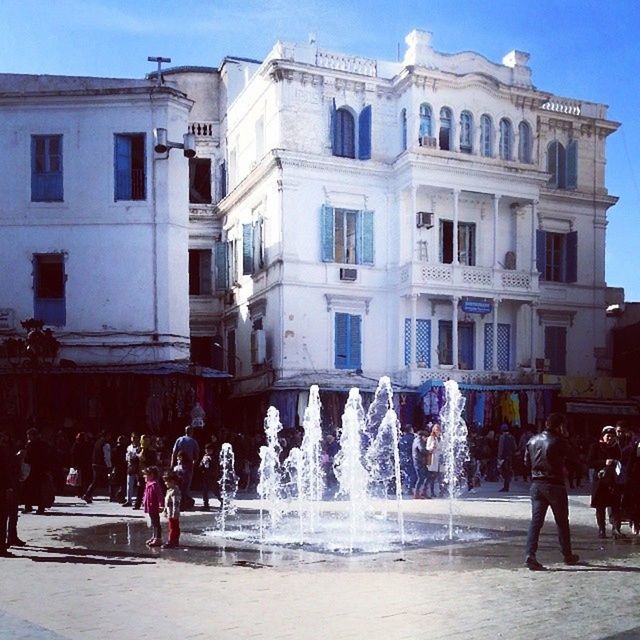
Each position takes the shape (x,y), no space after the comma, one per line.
(579,49)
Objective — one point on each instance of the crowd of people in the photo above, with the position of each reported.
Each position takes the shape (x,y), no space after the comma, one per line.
(139,469)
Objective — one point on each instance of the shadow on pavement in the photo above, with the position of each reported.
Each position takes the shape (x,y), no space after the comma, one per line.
(585,566)
(88,556)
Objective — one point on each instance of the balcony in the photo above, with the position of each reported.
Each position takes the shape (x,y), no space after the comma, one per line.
(418,376)
(436,276)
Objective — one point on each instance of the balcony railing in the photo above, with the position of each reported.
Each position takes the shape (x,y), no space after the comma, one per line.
(416,377)
(202,128)
(474,278)
(353,64)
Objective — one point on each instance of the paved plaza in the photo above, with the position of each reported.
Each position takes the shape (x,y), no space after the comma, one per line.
(86,573)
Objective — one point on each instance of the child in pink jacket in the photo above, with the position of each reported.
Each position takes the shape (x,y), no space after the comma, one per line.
(153,503)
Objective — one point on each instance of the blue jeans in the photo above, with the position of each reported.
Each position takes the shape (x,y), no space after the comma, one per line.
(543,496)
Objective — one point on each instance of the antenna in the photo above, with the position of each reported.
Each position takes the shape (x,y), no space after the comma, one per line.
(159,60)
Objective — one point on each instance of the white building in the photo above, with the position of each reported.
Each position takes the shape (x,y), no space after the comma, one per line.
(93,223)
(431,218)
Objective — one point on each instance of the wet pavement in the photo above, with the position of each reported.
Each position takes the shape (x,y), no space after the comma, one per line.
(86,573)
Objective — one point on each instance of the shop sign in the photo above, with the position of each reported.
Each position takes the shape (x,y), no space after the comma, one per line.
(471,305)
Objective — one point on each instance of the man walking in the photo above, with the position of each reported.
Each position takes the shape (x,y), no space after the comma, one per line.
(547,454)
(188,446)
(506,451)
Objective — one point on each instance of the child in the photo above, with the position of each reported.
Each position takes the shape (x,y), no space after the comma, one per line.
(208,467)
(172,508)
(181,471)
(153,503)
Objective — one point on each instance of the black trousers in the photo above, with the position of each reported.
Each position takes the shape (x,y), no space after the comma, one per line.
(99,479)
(545,495)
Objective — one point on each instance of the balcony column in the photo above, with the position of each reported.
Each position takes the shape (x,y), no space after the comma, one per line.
(412,222)
(456,197)
(494,337)
(496,202)
(533,336)
(414,332)
(454,331)
(534,226)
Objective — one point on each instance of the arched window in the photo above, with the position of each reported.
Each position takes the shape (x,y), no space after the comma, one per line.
(445,129)
(524,142)
(506,139)
(403,125)
(425,121)
(345,145)
(466,132)
(486,136)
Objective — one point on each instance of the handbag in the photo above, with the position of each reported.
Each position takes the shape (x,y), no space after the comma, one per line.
(73,477)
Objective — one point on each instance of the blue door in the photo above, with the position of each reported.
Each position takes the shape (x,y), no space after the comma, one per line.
(466,345)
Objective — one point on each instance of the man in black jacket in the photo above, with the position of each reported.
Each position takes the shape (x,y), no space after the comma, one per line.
(546,454)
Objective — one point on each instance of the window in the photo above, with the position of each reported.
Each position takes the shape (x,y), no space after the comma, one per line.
(524,142)
(557,256)
(252,247)
(346,236)
(200,180)
(199,272)
(466,242)
(563,165)
(49,280)
(423,342)
(445,342)
(201,351)
(348,341)
(445,128)
(130,178)
(344,135)
(555,349)
(486,136)
(222,250)
(46,168)
(466,132)
(403,125)
(506,139)
(466,344)
(425,121)
(222,180)
(504,346)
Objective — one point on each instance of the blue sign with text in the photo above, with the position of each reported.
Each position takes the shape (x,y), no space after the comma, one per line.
(476,306)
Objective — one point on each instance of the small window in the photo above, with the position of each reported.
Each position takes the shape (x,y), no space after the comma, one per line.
(557,256)
(524,142)
(506,139)
(563,165)
(130,179)
(346,236)
(486,136)
(403,128)
(425,122)
(252,247)
(466,242)
(199,272)
(445,129)
(348,341)
(555,349)
(200,180)
(49,281)
(466,132)
(46,168)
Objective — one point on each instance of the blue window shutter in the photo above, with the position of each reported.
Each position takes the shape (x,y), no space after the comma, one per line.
(333,127)
(571,257)
(355,342)
(223,180)
(327,240)
(423,341)
(222,266)
(572,165)
(37,160)
(364,238)
(504,347)
(488,346)
(541,251)
(341,341)
(407,341)
(123,168)
(364,134)
(247,249)
(552,163)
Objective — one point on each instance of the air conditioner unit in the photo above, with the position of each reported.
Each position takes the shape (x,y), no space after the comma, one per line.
(424,219)
(349,275)
(428,141)
(258,347)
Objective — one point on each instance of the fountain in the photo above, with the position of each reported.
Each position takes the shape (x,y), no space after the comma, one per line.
(228,485)
(367,470)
